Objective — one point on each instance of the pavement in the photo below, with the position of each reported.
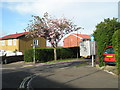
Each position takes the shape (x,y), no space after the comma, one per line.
(22,64)
(62,75)
(75,77)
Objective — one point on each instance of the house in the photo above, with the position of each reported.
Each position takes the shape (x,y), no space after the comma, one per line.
(18,42)
(73,39)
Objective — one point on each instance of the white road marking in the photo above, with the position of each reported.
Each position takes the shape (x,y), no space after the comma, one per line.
(27,81)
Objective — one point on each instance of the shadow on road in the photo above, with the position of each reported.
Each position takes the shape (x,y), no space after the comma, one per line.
(14,79)
(83,76)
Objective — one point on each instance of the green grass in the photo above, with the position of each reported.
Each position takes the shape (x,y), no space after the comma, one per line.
(62,60)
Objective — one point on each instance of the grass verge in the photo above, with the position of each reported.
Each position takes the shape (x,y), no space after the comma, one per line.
(62,60)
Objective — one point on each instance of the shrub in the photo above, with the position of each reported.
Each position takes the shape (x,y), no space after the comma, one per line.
(44,55)
(103,35)
(65,53)
(116,46)
(75,50)
(28,55)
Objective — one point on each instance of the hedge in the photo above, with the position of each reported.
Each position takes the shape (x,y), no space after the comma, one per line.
(47,54)
(116,46)
(28,55)
(103,36)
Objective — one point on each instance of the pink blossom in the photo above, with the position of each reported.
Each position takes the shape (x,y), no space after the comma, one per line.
(51,29)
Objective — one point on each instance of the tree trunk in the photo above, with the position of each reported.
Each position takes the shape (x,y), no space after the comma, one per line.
(55,54)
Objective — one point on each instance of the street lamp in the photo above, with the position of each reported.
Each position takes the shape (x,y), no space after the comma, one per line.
(33,47)
(78,44)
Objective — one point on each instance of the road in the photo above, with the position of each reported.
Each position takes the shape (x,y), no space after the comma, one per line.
(76,74)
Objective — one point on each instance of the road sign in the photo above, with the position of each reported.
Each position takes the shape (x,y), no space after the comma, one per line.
(92,48)
(92,38)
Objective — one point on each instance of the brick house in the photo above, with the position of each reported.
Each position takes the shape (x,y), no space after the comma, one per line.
(73,39)
(18,42)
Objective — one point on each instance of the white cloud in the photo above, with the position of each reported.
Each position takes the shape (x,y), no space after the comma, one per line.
(60,0)
(41,6)
(84,16)
(35,7)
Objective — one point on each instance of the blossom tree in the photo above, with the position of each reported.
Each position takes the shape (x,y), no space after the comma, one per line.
(51,29)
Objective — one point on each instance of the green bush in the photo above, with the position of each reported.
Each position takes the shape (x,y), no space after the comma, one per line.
(28,55)
(41,55)
(75,50)
(44,55)
(65,53)
(116,46)
(103,36)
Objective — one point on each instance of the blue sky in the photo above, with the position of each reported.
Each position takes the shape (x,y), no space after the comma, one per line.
(84,13)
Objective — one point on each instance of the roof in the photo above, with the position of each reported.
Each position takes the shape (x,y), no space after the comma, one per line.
(81,36)
(13,36)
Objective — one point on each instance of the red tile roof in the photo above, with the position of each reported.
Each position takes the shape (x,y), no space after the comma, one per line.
(83,35)
(12,36)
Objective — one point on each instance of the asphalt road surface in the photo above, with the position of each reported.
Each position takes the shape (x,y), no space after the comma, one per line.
(75,74)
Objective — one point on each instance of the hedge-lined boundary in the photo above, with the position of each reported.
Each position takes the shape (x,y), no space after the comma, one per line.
(47,54)
(116,46)
(107,33)
(103,36)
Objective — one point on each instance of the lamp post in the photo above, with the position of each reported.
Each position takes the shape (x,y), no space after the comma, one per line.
(34,46)
(119,11)
(33,53)
(77,44)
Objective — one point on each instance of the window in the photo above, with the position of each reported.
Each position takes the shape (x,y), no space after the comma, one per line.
(14,41)
(2,42)
(35,42)
(9,42)
(109,50)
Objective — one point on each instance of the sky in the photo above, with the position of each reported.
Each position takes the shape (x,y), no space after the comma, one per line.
(16,14)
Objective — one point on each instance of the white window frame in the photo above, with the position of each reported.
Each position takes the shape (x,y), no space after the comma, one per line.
(3,42)
(35,42)
(14,42)
(10,42)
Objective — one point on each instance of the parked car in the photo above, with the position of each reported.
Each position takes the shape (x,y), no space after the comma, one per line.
(10,56)
(109,55)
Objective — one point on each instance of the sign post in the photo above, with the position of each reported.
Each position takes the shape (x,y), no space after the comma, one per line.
(34,53)
(34,46)
(92,50)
